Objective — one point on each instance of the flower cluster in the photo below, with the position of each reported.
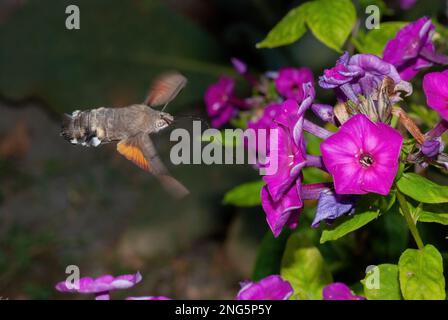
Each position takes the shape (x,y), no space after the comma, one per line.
(362,150)
(272,287)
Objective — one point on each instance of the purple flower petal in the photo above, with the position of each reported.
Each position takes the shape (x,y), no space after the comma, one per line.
(339,291)
(283,212)
(239,66)
(374,71)
(101,284)
(224,117)
(412,49)
(148,298)
(217,101)
(361,74)
(289,157)
(331,206)
(435,86)
(362,156)
(324,112)
(407,4)
(432,147)
(281,199)
(272,287)
(289,82)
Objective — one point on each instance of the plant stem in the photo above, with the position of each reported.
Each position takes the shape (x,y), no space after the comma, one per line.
(407,215)
(409,124)
(438,130)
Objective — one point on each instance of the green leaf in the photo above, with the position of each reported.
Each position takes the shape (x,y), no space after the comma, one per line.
(245,195)
(441,218)
(382,203)
(270,254)
(304,267)
(290,29)
(433,213)
(423,113)
(388,284)
(353,223)
(331,21)
(384,9)
(421,274)
(375,40)
(391,235)
(422,189)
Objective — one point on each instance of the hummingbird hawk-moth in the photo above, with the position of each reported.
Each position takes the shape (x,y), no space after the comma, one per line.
(131,126)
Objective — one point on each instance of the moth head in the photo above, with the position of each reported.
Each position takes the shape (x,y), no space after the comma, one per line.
(163,121)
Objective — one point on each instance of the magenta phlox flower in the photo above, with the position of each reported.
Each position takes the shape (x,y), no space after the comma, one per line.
(362,74)
(218,101)
(412,49)
(272,287)
(280,197)
(100,286)
(339,291)
(362,156)
(289,82)
(435,86)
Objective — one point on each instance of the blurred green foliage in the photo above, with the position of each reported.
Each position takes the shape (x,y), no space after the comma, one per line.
(120,47)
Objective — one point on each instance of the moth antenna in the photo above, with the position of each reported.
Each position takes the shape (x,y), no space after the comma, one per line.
(166,104)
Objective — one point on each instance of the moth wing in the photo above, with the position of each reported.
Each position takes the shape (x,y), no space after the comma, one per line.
(165,88)
(131,149)
(142,152)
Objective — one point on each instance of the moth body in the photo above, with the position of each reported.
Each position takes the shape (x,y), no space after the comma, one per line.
(91,128)
(131,127)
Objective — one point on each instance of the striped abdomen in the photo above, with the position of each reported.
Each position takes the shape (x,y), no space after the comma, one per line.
(87,128)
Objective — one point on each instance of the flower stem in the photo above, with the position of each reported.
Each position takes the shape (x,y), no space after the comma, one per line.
(438,130)
(409,220)
(409,124)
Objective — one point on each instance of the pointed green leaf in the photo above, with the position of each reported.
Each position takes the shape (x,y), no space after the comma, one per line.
(290,29)
(422,189)
(436,213)
(304,267)
(331,21)
(353,223)
(245,195)
(421,274)
(375,40)
(426,216)
(429,213)
(388,286)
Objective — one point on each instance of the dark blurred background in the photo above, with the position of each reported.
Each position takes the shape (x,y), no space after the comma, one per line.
(62,204)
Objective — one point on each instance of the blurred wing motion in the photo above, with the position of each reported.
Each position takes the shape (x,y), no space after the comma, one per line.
(140,150)
(165,88)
